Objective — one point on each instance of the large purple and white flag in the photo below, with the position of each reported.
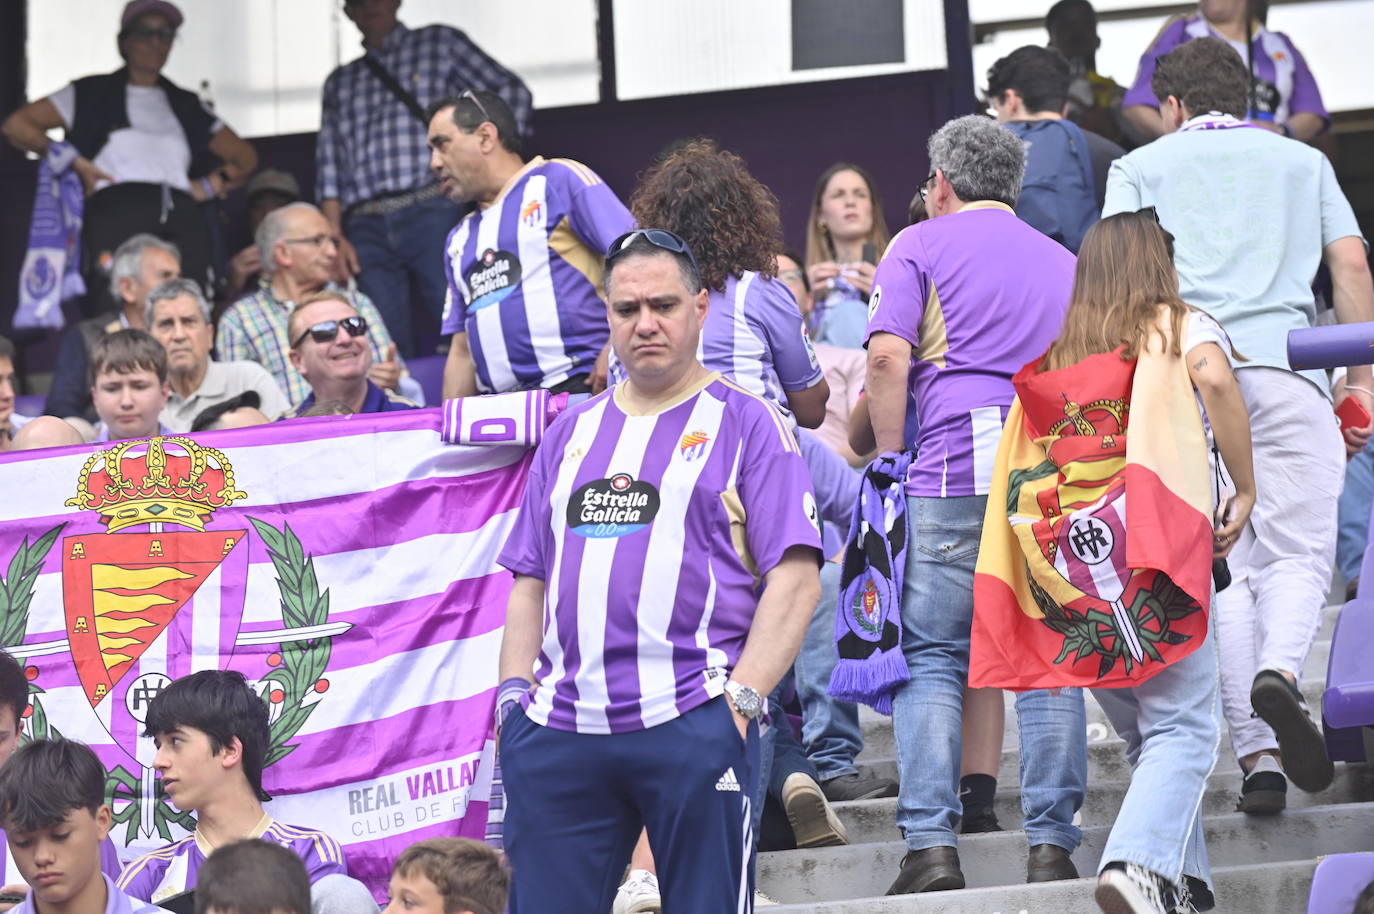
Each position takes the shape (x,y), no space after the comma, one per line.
(345,565)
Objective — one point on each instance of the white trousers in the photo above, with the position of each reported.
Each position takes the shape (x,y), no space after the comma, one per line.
(1281,563)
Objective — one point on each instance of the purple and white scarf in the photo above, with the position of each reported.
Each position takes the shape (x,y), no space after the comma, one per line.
(51,273)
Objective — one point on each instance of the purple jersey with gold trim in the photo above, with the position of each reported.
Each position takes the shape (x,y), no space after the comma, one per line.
(524,276)
(1282,83)
(172,870)
(977,293)
(652,534)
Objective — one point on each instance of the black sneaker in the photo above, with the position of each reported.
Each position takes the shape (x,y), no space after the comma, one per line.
(979,820)
(1280,705)
(1263,793)
(858,787)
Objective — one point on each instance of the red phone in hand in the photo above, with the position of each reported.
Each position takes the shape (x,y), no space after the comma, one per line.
(1352,414)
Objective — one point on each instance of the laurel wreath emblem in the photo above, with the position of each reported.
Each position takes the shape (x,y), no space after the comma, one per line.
(298,666)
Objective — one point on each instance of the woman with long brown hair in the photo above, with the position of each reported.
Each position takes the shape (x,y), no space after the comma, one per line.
(1097,559)
(753,330)
(845,235)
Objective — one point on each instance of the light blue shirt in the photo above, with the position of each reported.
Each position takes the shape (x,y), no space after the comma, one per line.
(1250,212)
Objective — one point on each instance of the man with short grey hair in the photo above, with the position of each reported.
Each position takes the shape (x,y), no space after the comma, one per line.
(142,262)
(960,302)
(299,255)
(178,317)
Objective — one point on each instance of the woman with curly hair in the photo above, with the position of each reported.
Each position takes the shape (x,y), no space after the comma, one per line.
(754,329)
(845,236)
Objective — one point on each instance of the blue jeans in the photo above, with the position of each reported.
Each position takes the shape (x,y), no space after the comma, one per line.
(402,259)
(830,728)
(1352,514)
(937,615)
(1171,726)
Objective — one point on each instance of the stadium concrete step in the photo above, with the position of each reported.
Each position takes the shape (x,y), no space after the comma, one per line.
(869,821)
(1261,865)
(1269,888)
(999,859)
(879,741)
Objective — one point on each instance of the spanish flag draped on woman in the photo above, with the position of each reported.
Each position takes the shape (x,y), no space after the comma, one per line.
(1096,556)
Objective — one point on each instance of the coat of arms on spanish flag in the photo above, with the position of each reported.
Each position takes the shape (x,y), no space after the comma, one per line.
(1096,556)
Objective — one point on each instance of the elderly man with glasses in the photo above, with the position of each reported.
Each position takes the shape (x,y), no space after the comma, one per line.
(960,303)
(299,253)
(524,266)
(178,317)
(374,182)
(328,349)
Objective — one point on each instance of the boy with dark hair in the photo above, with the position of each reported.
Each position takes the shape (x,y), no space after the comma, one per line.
(211,734)
(14,701)
(253,877)
(129,385)
(447,876)
(52,807)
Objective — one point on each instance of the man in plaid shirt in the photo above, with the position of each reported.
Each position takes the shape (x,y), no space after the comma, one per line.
(374,182)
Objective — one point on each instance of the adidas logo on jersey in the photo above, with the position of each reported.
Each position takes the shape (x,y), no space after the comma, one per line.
(728,781)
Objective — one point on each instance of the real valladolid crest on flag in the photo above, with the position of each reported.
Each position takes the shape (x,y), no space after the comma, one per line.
(345,567)
(1071,587)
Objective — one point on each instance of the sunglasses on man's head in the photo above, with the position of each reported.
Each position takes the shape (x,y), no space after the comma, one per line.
(326,331)
(469,95)
(659,238)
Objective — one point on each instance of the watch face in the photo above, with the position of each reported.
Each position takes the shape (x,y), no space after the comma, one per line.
(747,701)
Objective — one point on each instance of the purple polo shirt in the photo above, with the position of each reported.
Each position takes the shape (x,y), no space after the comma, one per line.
(978,294)
(1283,83)
(653,534)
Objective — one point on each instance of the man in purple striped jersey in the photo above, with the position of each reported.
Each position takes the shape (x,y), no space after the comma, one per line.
(211,734)
(960,302)
(524,267)
(664,553)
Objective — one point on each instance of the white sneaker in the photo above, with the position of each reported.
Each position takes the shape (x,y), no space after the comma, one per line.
(638,895)
(1129,888)
(763,901)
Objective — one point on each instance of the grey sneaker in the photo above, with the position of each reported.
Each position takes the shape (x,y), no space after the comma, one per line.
(858,787)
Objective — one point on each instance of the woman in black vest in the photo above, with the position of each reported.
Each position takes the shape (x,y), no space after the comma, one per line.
(150,152)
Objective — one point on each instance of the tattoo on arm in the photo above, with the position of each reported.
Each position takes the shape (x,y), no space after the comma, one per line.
(1200,364)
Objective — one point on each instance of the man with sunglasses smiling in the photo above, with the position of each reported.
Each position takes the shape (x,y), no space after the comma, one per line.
(666,557)
(329,348)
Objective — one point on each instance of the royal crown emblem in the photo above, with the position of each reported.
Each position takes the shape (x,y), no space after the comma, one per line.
(149,594)
(155,486)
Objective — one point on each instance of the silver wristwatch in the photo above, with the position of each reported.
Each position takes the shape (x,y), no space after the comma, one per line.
(746,700)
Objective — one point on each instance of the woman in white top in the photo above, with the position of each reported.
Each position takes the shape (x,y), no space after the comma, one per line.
(134,127)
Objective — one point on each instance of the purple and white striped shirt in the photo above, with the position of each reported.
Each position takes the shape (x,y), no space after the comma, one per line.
(653,534)
(171,870)
(524,276)
(755,333)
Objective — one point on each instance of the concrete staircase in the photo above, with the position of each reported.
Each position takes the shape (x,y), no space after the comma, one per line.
(1261,866)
